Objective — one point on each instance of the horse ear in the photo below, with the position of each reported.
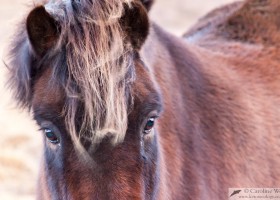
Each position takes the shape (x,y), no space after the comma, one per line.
(135,23)
(43,31)
(147,3)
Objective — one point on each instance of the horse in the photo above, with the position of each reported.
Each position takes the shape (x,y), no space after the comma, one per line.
(130,111)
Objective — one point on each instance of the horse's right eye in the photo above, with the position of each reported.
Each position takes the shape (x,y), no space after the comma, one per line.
(51,136)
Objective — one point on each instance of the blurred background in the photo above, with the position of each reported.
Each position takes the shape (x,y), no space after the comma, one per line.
(20,143)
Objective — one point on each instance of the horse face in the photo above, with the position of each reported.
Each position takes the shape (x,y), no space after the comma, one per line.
(128,170)
(103,170)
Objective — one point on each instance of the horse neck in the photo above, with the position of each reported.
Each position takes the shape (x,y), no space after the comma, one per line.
(208,103)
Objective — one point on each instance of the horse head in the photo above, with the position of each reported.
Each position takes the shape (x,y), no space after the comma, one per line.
(93,97)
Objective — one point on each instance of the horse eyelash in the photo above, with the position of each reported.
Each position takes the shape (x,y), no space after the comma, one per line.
(41,129)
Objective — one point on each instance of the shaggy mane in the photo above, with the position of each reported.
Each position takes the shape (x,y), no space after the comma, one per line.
(90,61)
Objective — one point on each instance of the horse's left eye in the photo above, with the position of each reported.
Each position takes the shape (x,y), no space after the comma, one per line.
(51,136)
(149,125)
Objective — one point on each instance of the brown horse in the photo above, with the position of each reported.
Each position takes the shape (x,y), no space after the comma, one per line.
(129,111)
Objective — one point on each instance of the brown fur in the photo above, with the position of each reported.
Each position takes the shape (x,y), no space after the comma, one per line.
(217,94)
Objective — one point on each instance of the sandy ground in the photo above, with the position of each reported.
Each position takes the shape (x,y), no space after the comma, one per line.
(20,144)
